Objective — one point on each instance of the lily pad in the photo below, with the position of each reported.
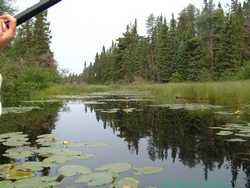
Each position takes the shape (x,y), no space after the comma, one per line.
(9,135)
(147,170)
(47,136)
(32,166)
(13,143)
(128,110)
(97,179)
(127,182)
(88,145)
(224,133)
(19,154)
(57,159)
(243,135)
(115,168)
(10,172)
(37,182)
(6,184)
(71,170)
(236,140)
(20,110)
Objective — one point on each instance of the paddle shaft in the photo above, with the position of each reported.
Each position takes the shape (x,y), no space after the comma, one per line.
(34,10)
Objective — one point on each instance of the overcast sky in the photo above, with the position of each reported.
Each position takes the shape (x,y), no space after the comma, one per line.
(80,28)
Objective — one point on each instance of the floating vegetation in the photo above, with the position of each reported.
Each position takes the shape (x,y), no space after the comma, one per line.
(243,135)
(147,170)
(221,128)
(111,111)
(9,135)
(14,139)
(47,140)
(6,184)
(43,101)
(94,103)
(32,166)
(10,172)
(37,182)
(70,97)
(225,113)
(18,154)
(19,110)
(128,110)
(97,178)
(72,170)
(127,182)
(191,107)
(224,133)
(236,140)
(87,145)
(126,100)
(115,168)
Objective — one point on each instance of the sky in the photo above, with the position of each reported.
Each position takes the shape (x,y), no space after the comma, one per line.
(80,28)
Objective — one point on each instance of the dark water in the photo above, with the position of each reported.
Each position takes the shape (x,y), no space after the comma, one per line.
(178,140)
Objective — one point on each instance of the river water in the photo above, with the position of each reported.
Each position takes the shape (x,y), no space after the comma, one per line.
(177,140)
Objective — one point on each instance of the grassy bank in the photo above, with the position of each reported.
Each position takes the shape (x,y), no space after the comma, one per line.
(231,92)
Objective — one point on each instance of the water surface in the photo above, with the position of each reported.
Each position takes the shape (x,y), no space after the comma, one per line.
(180,141)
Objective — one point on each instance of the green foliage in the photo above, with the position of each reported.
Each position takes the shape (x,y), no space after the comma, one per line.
(207,44)
(27,64)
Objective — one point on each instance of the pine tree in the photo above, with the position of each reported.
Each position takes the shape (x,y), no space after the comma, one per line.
(162,53)
(172,41)
(42,40)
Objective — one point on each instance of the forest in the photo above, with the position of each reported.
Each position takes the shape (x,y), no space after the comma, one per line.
(198,45)
(211,44)
(27,64)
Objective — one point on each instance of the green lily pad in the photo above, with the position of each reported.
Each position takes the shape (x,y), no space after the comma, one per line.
(97,179)
(19,155)
(236,140)
(84,156)
(56,159)
(128,110)
(147,170)
(71,170)
(13,173)
(94,103)
(128,181)
(13,143)
(9,135)
(224,133)
(6,184)
(20,110)
(48,151)
(225,113)
(24,151)
(47,140)
(32,166)
(115,168)
(37,182)
(243,135)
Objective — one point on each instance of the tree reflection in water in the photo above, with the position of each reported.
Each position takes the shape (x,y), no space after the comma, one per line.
(185,135)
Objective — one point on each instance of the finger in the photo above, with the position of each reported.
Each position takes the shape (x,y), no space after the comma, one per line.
(1,27)
(11,20)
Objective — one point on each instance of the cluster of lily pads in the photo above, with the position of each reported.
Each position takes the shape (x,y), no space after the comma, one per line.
(19,110)
(115,110)
(188,106)
(236,132)
(51,152)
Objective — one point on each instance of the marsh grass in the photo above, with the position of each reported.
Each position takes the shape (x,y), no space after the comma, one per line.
(230,93)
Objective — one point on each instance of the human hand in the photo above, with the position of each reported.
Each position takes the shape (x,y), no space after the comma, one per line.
(7,32)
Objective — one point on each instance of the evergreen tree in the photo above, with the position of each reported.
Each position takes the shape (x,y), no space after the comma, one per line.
(42,40)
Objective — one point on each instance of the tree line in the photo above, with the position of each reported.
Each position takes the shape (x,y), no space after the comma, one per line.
(27,63)
(207,44)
